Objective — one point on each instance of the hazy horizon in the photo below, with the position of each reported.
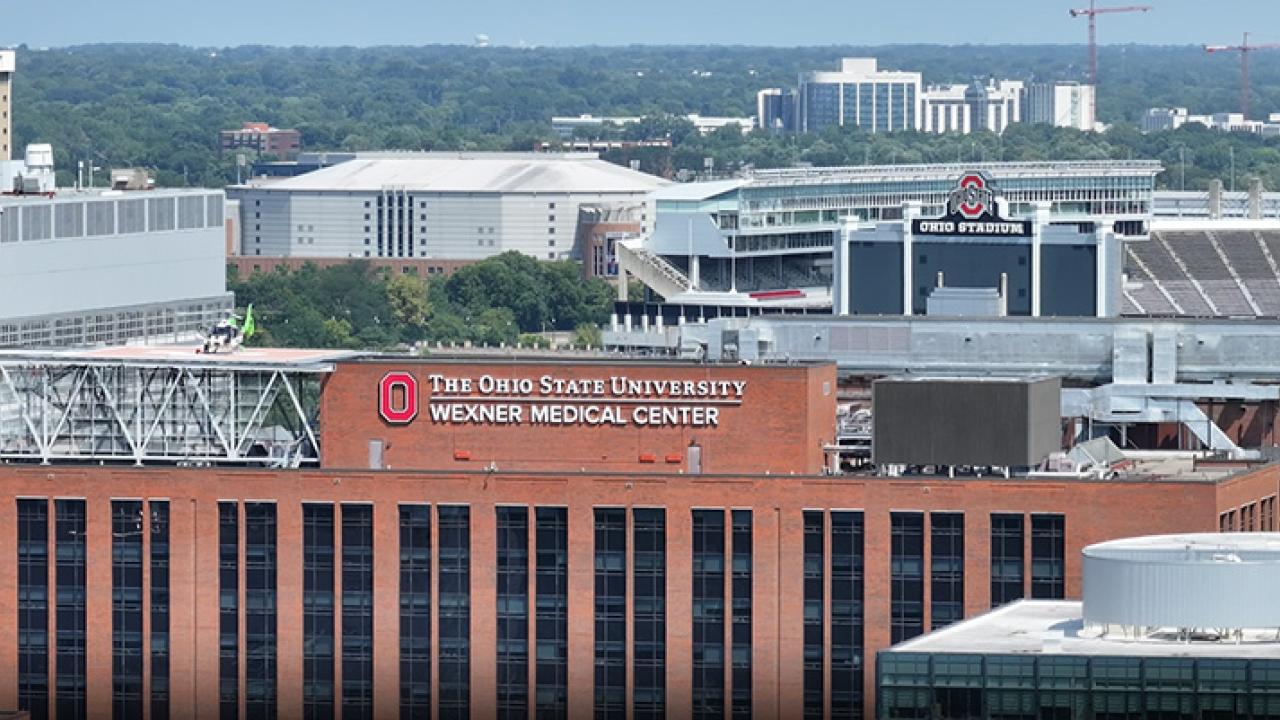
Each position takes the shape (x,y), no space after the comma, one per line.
(574,23)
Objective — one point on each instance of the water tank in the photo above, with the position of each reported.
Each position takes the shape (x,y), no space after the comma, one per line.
(1204,580)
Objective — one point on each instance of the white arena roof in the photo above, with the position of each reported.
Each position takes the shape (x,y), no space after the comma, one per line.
(481,172)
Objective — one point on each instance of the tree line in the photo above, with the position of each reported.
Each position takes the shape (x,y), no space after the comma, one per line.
(162,106)
(508,298)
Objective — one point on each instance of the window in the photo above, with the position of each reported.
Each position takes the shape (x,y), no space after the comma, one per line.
(357,612)
(454,596)
(846,567)
(814,557)
(946,568)
(228,610)
(551,577)
(551,218)
(33,607)
(610,613)
(649,613)
(317,611)
(906,575)
(1006,559)
(126,608)
(1047,557)
(260,609)
(159,609)
(708,614)
(551,231)
(69,538)
(415,611)
(741,617)
(551,206)
(513,612)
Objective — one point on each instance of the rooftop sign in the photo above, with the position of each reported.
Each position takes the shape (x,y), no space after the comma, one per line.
(973,209)
(616,400)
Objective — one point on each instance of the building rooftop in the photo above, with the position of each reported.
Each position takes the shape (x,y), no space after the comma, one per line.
(182,355)
(1044,627)
(474,173)
(72,195)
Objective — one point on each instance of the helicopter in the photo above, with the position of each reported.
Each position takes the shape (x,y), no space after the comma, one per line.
(229,333)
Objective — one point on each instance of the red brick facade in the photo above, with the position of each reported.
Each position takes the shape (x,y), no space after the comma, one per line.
(765,455)
(779,423)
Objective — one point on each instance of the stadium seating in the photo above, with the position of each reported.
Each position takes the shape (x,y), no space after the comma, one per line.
(1207,273)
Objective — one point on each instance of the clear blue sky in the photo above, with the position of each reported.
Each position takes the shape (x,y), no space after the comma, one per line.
(612,22)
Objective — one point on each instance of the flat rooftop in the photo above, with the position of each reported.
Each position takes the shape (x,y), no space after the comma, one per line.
(101,193)
(183,355)
(1056,627)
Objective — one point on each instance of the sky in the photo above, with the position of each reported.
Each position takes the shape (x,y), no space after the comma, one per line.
(54,23)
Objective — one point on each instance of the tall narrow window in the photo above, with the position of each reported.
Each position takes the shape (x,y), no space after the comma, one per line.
(946,568)
(649,613)
(33,607)
(1047,557)
(69,518)
(228,611)
(906,575)
(159,609)
(708,614)
(126,609)
(415,611)
(552,586)
(1006,558)
(814,557)
(357,612)
(741,630)
(455,610)
(611,614)
(317,611)
(260,609)
(847,621)
(513,612)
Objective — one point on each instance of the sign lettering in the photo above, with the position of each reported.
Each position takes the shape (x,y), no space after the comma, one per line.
(617,400)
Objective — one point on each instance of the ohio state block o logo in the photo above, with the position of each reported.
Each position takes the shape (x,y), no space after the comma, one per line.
(404,411)
(972,196)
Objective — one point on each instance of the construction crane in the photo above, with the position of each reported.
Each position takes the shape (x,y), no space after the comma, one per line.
(1092,12)
(1244,49)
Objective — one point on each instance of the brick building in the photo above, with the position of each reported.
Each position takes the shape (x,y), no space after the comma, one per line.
(261,137)
(509,538)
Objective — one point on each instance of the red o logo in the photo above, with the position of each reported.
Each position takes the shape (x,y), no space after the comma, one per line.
(404,411)
(973,193)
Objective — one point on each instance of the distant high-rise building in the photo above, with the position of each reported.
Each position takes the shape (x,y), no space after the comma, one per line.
(1063,104)
(861,95)
(263,138)
(8,62)
(945,110)
(776,110)
(995,105)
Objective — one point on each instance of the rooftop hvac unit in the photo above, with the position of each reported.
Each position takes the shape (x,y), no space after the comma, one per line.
(130,179)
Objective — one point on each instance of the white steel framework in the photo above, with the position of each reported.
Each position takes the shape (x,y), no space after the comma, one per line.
(198,413)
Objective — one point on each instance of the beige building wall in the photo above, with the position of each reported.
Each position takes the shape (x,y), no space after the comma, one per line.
(7,64)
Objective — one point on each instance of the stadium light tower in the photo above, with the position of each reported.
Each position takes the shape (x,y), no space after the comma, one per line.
(1244,49)
(1092,12)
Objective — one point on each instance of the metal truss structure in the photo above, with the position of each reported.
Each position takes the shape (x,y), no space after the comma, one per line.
(63,409)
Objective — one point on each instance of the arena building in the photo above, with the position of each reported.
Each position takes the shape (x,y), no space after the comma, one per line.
(290,533)
(455,206)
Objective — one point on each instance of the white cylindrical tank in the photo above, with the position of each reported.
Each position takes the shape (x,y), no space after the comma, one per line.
(1204,580)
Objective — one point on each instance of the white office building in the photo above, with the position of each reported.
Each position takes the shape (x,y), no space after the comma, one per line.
(968,108)
(862,95)
(1062,104)
(434,205)
(111,267)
